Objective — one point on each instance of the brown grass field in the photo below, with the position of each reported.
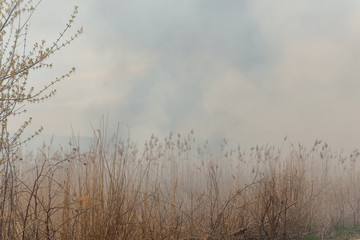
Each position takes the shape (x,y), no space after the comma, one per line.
(178,189)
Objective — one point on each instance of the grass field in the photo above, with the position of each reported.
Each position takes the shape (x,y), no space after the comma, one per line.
(177,188)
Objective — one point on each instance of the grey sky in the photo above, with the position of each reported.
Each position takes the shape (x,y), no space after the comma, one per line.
(250,71)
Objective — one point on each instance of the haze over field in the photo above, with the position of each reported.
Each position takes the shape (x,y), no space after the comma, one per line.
(250,71)
(172,75)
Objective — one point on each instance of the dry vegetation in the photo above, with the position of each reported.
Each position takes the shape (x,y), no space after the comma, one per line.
(177,189)
(168,189)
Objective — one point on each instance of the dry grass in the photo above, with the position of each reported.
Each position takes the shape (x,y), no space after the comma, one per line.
(177,189)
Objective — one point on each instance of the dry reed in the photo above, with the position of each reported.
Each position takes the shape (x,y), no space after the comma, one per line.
(176,189)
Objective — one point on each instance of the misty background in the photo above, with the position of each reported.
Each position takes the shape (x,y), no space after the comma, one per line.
(249,71)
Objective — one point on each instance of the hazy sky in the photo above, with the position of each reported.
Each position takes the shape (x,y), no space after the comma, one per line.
(251,71)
